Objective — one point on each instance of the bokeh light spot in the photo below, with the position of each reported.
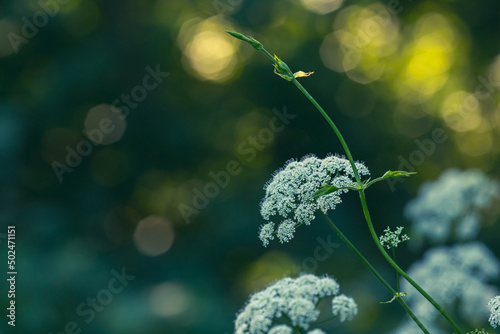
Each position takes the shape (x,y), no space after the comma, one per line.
(363,38)
(475,143)
(322,6)
(105,124)
(169,299)
(428,58)
(495,71)
(461,111)
(153,236)
(209,53)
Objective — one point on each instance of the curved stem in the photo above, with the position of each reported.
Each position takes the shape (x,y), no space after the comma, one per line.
(378,179)
(398,269)
(374,271)
(397,273)
(283,70)
(366,212)
(334,127)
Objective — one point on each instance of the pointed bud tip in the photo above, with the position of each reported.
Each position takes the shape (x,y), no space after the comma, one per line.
(238,35)
(249,39)
(398,173)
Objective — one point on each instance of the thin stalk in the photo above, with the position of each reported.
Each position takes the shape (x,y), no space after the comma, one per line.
(398,269)
(374,271)
(397,274)
(335,129)
(367,213)
(378,179)
(326,320)
(284,71)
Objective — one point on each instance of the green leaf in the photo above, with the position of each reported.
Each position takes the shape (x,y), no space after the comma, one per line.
(397,173)
(249,39)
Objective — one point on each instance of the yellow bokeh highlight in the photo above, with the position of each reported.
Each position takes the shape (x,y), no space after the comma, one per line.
(496,118)
(428,57)
(477,142)
(362,39)
(369,70)
(322,6)
(208,52)
(461,111)
(494,74)
(426,71)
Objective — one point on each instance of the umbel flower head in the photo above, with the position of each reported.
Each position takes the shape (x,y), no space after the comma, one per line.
(292,193)
(494,306)
(290,303)
(392,239)
(459,274)
(451,205)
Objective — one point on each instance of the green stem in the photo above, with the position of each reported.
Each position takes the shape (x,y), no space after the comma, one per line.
(283,70)
(378,179)
(374,271)
(366,212)
(398,269)
(268,55)
(326,320)
(397,274)
(335,129)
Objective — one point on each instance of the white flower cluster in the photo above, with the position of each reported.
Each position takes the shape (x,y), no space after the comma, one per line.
(291,193)
(345,307)
(290,303)
(452,203)
(458,274)
(494,306)
(392,239)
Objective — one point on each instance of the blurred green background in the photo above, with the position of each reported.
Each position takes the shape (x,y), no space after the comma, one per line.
(391,74)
